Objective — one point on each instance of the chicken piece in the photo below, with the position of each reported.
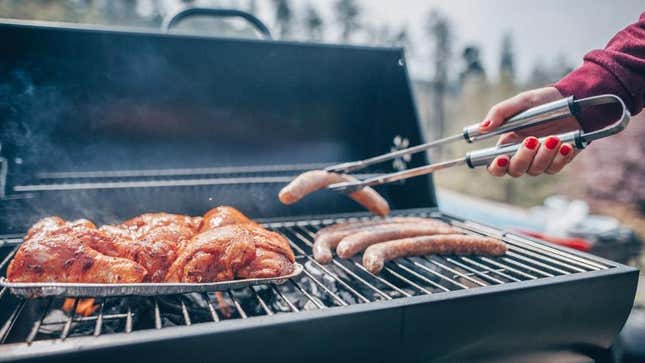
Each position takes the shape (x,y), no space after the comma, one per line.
(155,253)
(62,255)
(224,216)
(152,240)
(44,226)
(149,221)
(213,255)
(81,223)
(273,255)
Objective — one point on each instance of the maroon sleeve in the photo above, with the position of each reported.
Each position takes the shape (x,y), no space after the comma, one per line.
(617,69)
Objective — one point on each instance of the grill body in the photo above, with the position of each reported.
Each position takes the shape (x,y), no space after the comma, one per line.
(107,124)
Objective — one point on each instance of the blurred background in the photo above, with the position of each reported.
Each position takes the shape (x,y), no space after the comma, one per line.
(463,57)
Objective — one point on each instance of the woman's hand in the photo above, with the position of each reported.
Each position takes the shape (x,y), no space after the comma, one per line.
(532,158)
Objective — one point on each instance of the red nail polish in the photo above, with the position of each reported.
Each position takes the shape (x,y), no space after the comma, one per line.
(552,142)
(565,150)
(531,143)
(485,123)
(502,162)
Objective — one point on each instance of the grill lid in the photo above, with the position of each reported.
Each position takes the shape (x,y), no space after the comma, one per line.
(82,99)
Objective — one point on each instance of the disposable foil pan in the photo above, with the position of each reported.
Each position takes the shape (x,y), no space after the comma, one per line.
(41,289)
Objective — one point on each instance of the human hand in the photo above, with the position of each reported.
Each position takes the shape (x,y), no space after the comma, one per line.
(532,158)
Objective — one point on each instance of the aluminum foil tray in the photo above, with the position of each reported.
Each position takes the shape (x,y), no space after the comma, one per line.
(41,289)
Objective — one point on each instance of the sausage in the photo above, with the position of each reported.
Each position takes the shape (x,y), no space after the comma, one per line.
(377,222)
(314,180)
(328,238)
(377,255)
(359,241)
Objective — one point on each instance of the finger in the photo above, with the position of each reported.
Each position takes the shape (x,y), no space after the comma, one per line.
(499,166)
(509,138)
(505,109)
(544,156)
(522,159)
(565,154)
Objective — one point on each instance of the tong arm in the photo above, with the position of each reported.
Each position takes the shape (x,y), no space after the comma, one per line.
(538,115)
(473,159)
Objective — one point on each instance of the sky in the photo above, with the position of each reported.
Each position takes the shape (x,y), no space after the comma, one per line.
(542,30)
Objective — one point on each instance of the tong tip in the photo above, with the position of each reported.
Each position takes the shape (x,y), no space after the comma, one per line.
(344,167)
(346,187)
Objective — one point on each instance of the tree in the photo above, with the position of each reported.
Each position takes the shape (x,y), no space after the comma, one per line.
(313,23)
(473,64)
(439,32)
(283,17)
(347,13)
(507,62)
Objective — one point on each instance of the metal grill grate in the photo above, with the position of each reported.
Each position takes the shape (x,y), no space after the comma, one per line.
(343,282)
(127,179)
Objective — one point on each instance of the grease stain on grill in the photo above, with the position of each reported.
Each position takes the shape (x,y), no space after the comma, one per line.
(340,283)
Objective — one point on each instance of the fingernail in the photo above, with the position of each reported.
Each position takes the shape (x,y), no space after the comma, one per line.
(552,142)
(502,162)
(565,150)
(485,123)
(531,143)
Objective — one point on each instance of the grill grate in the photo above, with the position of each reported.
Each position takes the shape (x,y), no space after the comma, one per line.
(127,179)
(341,283)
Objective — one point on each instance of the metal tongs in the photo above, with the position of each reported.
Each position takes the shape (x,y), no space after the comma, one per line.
(556,110)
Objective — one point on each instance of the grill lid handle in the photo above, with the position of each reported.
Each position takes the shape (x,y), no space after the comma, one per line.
(173,19)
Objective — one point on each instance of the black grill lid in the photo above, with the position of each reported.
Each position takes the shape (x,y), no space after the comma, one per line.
(81,99)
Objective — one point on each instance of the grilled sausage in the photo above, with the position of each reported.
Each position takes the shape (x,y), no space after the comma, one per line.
(314,180)
(376,222)
(328,238)
(377,255)
(359,241)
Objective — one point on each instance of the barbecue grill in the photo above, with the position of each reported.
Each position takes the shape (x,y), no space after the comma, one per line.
(106,124)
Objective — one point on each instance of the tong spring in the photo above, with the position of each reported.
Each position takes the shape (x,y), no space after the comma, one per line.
(560,109)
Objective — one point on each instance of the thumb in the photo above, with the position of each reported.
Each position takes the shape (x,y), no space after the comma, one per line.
(509,138)
(504,110)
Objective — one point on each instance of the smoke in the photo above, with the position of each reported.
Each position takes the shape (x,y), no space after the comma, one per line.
(35,139)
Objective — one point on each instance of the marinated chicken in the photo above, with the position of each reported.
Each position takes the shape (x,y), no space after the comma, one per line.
(254,253)
(213,255)
(273,255)
(152,240)
(223,216)
(56,251)
(154,247)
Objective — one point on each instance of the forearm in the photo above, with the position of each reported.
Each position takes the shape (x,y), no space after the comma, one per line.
(617,69)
